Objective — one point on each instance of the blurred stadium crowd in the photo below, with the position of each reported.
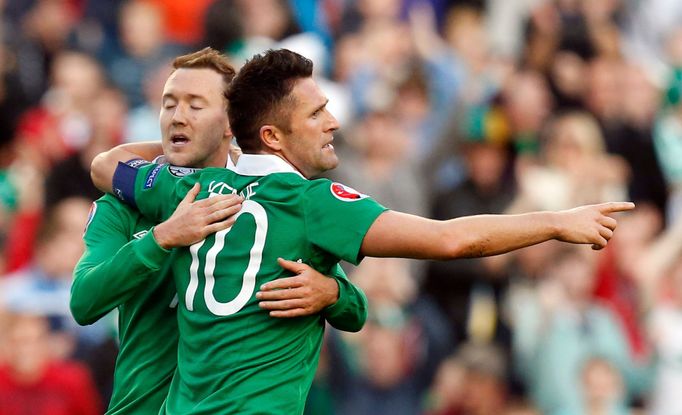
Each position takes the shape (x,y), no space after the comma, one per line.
(448,108)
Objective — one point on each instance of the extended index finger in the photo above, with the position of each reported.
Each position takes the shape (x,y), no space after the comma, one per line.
(612,207)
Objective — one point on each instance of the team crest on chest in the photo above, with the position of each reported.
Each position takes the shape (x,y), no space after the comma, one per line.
(178,171)
(345,193)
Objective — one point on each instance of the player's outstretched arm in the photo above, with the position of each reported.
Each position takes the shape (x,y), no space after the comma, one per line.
(309,292)
(395,234)
(104,164)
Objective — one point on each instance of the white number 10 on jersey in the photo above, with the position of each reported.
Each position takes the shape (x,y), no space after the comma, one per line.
(249,276)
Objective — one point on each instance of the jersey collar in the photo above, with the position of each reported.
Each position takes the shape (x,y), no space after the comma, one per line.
(262,165)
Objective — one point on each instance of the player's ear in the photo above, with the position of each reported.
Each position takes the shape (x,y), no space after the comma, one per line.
(270,136)
(228,131)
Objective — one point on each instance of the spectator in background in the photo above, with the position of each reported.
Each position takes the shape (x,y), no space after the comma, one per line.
(223,28)
(264,22)
(43,286)
(387,368)
(45,283)
(143,49)
(527,104)
(384,59)
(361,12)
(574,167)
(658,271)
(34,378)
(59,126)
(486,188)
(446,393)
(47,169)
(620,275)
(640,99)
(666,335)
(623,101)
(472,382)
(13,95)
(603,391)
(71,176)
(380,163)
(182,20)
(43,35)
(143,122)
(668,130)
(556,334)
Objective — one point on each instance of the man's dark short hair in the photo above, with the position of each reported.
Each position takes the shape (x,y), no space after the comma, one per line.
(260,94)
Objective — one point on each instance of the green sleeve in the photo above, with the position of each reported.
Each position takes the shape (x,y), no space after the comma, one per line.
(156,192)
(115,263)
(338,217)
(152,189)
(349,313)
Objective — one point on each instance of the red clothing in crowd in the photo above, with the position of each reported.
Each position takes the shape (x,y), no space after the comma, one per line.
(620,294)
(183,19)
(65,388)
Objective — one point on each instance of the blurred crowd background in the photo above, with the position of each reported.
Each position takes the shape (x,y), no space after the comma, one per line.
(448,108)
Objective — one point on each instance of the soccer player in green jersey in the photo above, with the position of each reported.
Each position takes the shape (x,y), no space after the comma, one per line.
(125,265)
(232,358)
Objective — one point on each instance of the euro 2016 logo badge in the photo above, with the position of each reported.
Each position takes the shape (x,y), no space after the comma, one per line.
(345,193)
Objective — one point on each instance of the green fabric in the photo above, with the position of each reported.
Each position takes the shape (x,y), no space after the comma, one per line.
(8,191)
(349,313)
(123,268)
(232,356)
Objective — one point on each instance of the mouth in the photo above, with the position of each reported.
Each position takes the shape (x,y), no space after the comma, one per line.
(179,139)
(329,145)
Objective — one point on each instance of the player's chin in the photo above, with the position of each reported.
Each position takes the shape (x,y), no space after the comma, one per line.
(331,162)
(177,158)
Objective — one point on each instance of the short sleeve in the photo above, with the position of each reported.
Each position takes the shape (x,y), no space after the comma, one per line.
(337,218)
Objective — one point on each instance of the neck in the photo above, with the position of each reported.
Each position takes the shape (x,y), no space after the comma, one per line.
(220,157)
(283,157)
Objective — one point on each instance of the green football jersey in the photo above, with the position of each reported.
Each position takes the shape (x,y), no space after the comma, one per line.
(233,358)
(124,268)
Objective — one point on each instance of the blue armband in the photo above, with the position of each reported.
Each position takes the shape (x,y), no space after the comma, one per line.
(124,182)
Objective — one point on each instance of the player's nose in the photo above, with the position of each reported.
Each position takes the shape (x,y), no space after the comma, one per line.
(332,123)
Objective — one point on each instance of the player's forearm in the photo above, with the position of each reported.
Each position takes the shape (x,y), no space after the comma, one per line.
(102,282)
(401,235)
(104,165)
(485,235)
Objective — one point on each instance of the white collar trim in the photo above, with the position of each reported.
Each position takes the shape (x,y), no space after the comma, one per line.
(262,165)
(230,164)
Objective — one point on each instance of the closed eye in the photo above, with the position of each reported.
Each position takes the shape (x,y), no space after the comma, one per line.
(319,110)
